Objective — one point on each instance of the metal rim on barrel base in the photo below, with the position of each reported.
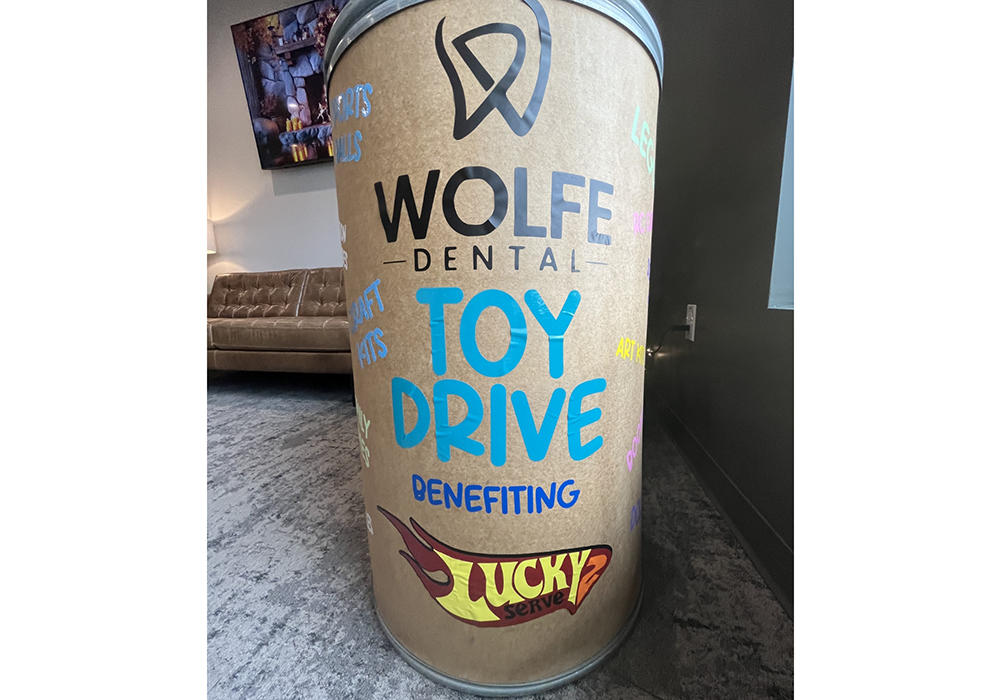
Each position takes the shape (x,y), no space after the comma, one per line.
(516,689)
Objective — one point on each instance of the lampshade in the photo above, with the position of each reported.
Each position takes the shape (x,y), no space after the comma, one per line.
(211,238)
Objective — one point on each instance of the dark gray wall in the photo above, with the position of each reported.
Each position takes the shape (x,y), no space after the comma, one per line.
(727,398)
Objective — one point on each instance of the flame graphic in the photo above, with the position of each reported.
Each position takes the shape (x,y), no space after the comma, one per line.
(500,590)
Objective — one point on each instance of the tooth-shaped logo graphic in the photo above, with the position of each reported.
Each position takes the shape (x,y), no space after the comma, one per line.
(499,590)
(497,99)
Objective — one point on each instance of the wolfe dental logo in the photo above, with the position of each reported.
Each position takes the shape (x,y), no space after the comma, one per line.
(497,99)
(500,590)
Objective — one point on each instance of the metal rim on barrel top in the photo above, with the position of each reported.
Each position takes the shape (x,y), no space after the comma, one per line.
(360,15)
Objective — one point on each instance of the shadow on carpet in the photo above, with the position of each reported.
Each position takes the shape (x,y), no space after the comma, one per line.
(290,609)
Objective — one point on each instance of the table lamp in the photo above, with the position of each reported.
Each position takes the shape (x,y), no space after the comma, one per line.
(211,238)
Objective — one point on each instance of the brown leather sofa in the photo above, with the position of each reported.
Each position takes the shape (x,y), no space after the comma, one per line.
(287,321)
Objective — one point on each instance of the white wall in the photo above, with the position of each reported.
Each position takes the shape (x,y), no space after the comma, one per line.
(782,294)
(264,219)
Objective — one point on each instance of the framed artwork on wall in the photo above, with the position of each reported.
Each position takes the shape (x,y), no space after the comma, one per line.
(281,62)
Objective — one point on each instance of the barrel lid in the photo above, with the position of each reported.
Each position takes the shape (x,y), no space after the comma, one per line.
(360,15)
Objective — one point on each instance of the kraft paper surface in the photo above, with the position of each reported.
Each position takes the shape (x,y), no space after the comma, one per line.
(497,333)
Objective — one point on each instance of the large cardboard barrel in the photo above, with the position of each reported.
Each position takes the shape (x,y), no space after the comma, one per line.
(494,169)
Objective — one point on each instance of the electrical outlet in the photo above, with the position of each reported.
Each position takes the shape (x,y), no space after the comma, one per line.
(692,312)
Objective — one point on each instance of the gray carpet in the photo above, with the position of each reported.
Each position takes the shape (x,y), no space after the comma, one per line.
(290,610)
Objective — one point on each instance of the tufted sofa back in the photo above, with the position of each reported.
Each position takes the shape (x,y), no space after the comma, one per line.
(324,293)
(246,294)
(318,292)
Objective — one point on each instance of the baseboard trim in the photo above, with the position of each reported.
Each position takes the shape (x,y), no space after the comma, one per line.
(772,556)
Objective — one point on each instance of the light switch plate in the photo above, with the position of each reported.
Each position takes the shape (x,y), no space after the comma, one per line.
(692,312)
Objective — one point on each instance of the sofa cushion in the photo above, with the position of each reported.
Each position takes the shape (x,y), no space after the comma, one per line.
(256,294)
(211,322)
(283,361)
(324,293)
(310,333)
